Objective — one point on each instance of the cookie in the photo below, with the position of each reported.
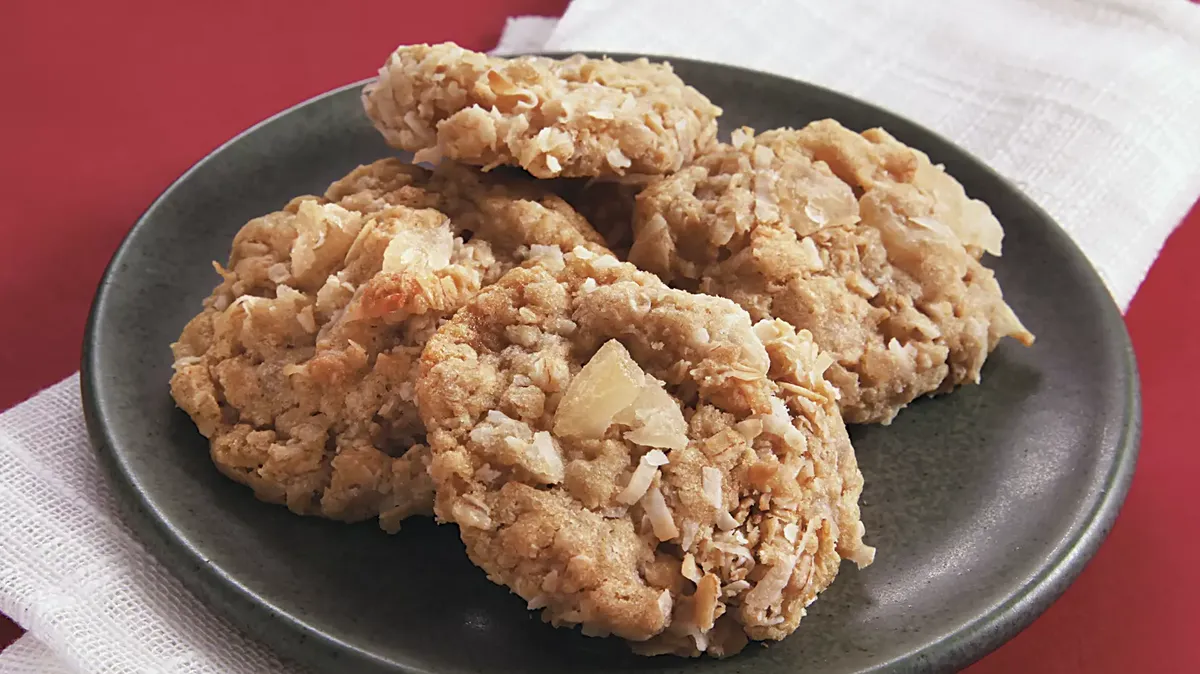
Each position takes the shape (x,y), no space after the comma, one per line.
(300,369)
(577,117)
(639,460)
(858,239)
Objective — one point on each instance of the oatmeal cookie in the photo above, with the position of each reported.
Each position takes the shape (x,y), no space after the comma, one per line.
(577,117)
(300,369)
(857,238)
(638,460)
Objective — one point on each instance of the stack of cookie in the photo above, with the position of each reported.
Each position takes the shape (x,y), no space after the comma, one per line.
(617,353)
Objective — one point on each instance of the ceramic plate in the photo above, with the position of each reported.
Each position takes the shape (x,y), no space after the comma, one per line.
(983,504)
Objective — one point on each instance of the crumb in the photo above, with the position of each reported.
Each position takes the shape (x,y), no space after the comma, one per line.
(638,460)
(856,238)
(576,117)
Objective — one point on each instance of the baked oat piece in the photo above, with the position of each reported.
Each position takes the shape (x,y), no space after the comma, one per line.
(576,117)
(638,460)
(856,238)
(300,368)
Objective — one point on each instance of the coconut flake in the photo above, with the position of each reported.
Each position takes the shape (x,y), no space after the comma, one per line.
(582,253)
(862,556)
(769,589)
(768,330)
(656,458)
(734,328)
(863,285)
(184,361)
(471,513)
(655,417)
(423,249)
(497,417)
(687,568)
(523,335)
(639,482)
(822,363)
(779,424)
(333,294)
(550,257)
(735,587)
(306,320)
(733,549)
(766,207)
(904,352)
(811,254)
(707,597)
(690,529)
(710,482)
(660,515)
(816,215)
(550,460)
(741,138)
(933,225)
(481,435)
(725,521)
(763,156)
(666,603)
(606,262)
(749,428)
(617,159)
(925,326)
(288,293)
(562,326)
(701,638)
(312,222)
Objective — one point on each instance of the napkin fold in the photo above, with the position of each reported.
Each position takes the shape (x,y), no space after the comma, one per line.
(1087,105)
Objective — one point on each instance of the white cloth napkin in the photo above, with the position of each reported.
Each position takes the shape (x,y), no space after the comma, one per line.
(74,576)
(1088,105)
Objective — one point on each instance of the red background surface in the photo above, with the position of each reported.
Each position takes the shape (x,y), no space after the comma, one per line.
(106,104)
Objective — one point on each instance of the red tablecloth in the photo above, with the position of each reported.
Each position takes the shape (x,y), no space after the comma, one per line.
(106,103)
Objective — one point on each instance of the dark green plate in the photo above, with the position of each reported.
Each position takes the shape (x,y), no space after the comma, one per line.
(983,504)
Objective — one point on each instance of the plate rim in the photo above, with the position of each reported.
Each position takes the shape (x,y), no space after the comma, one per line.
(291,639)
